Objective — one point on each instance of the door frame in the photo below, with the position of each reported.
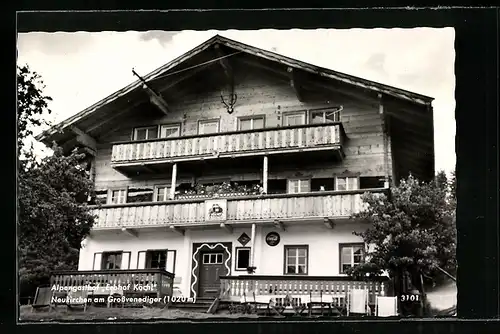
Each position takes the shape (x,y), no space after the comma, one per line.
(198,249)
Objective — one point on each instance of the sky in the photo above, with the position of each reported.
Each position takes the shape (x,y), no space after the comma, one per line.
(81,68)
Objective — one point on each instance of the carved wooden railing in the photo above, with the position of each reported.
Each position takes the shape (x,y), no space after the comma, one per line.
(264,208)
(160,281)
(230,143)
(234,287)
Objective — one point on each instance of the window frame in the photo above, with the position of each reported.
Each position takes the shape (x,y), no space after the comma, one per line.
(204,121)
(351,245)
(169,125)
(167,192)
(105,254)
(285,257)
(324,111)
(134,132)
(147,264)
(298,112)
(288,185)
(237,256)
(210,261)
(347,177)
(251,118)
(109,199)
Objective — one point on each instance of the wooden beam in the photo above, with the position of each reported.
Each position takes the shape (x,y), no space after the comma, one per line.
(173,181)
(280,225)
(292,74)
(227,228)
(130,232)
(224,62)
(356,93)
(83,138)
(329,223)
(177,229)
(157,100)
(149,169)
(178,78)
(265,173)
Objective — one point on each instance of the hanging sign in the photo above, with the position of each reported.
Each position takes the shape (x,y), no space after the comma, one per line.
(272,239)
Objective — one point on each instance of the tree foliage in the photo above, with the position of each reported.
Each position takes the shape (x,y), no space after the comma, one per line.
(411,230)
(53,217)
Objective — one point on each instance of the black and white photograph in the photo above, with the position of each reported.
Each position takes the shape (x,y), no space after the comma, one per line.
(300,173)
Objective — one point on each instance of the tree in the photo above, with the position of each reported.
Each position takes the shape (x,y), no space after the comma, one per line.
(53,217)
(411,231)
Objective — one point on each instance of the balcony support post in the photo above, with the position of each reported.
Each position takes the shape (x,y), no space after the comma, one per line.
(252,247)
(265,173)
(174,181)
(383,116)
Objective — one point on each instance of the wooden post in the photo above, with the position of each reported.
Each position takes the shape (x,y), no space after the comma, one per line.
(385,141)
(252,247)
(265,173)
(174,180)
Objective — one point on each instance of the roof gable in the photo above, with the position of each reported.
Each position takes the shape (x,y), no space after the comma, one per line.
(244,48)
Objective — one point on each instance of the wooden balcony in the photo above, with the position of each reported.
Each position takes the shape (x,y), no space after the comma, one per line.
(245,209)
(283,140)
(234,287)
(156,282)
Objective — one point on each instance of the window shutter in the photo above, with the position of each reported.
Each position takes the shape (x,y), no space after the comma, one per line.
(141,260)
(171,255)
(125,260)
(97,261)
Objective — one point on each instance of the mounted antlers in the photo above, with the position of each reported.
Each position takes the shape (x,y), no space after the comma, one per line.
(229,106)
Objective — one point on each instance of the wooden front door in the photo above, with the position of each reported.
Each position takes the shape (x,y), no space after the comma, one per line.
(211,268)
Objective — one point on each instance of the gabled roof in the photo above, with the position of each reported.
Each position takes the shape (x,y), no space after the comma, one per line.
(238,46)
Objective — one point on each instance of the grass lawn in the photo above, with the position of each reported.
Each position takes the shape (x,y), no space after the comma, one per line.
(102,313)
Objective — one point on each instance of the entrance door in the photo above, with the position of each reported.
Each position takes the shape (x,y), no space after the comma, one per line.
(212,266)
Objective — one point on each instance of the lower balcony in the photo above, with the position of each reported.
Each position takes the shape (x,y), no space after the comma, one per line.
(277,209)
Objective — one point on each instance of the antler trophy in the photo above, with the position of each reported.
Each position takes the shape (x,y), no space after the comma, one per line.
(229,105)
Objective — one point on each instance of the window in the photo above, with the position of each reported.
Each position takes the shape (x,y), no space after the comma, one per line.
(205,127)
(150,132)
(346,183)
(118,196)
(212,258)
(242,258)
(167,131)
(250,123)
(111,260)
(296,118)
(161,193)
(325,116)
(156,259)
(296,260)
(351,255)
(299,186)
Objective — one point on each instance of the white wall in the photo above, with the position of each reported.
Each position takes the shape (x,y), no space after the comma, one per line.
(323,247)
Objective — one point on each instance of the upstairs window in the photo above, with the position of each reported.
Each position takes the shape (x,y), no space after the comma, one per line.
(295,118)
(250,123)
(299,186)
(117,196)
(172,130)
(210,126)
(156,259)
(346,183)
(146,133)
(325,116)
(111,260)
(161,193)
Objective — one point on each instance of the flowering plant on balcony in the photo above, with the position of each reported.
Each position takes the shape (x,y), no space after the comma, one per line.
(221,189)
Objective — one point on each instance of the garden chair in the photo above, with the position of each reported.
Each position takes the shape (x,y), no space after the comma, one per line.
(77,299)
(357,301)
(297,303)
(315,299)
(261,301)
(386,306)
(338,302)
(279,303)
(43,298)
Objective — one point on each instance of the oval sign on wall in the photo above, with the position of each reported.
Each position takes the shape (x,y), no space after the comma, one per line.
(272,239)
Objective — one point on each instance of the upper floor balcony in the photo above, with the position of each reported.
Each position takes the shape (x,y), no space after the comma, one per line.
(131,155)
(279,209)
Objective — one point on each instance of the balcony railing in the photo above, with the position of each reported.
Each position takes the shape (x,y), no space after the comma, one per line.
(234,287)
(249,142)
(148,281)
(263,208)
